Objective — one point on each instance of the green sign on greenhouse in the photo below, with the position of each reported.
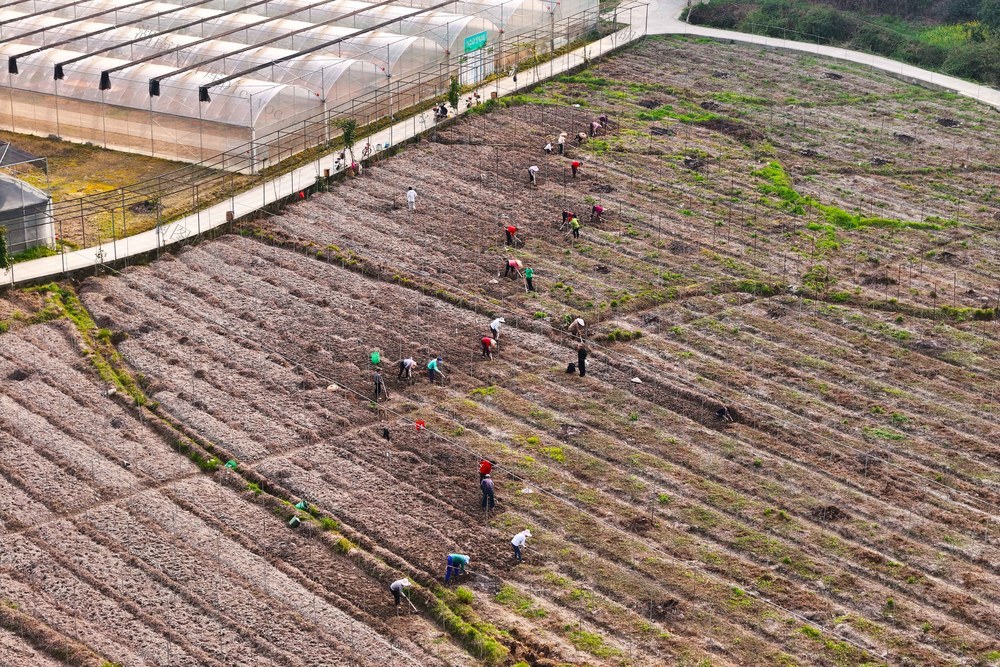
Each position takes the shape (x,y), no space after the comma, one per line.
(475,42)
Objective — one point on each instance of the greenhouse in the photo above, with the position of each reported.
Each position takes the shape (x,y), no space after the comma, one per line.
(195,79)
(25,215)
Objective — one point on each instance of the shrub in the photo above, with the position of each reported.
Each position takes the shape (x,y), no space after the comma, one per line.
(975,61)
(464,595)
(326,523)
(344,545)
(930,56)
(875,39)
(555,453)
(828,25)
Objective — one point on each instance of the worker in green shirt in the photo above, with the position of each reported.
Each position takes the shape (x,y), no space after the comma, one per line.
(574,225)
(529,273)
(434,370)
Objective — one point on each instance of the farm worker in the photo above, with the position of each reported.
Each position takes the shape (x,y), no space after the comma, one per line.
(406,367)
(596,212)
(510,231)
(575,166)
(581,359)
(485,467)
(562,143)
(397,588)
(495,327)
(603,120)
(574,225)
(380,389)
(512,266)
(548,148)
(434,370)
(595,126)
(529,274)
(577,326)
(411,199)
(489,500)
(456,566)
(580,138)
(518,542)
(532,173)
(488,345)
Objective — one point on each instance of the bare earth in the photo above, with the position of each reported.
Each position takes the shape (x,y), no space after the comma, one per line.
(847,516)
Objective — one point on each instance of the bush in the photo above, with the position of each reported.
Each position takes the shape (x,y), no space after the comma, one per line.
(725,15)
(975,61)
(928,56)
(464,595)
(961,10)
(874,39)
(989,15)
(828,25)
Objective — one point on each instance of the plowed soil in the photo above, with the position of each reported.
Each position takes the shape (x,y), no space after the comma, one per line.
(845,515)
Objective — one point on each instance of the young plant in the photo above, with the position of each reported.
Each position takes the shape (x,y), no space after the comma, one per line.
(454,92)
(349,130)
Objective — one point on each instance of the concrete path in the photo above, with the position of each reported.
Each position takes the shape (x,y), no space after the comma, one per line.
(659,17)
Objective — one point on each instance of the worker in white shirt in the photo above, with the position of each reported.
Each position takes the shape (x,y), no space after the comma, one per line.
(397,588)
(411,199)
(495,328)
(518,542)
(578,327)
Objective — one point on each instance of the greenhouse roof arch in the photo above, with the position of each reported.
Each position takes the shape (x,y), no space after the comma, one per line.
(241,103)
(447,29)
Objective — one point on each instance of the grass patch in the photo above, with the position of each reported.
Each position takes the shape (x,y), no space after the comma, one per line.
(590,642)
(668,111)
(521,604)
(879,433)
(554,453)
(777,183)
(63,302)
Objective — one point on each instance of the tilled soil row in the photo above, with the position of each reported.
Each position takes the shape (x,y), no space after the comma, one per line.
(308,485)
(98,432)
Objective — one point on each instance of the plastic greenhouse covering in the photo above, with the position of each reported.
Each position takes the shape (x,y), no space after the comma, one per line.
(26,213)
(447,29)
(337,80)
(193,79)
(173,125)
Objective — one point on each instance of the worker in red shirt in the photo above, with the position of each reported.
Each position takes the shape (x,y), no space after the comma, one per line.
(511,231)
(575,166)
(485,467)
(489,345)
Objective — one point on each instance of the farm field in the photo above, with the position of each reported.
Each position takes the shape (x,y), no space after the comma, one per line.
(774,248)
